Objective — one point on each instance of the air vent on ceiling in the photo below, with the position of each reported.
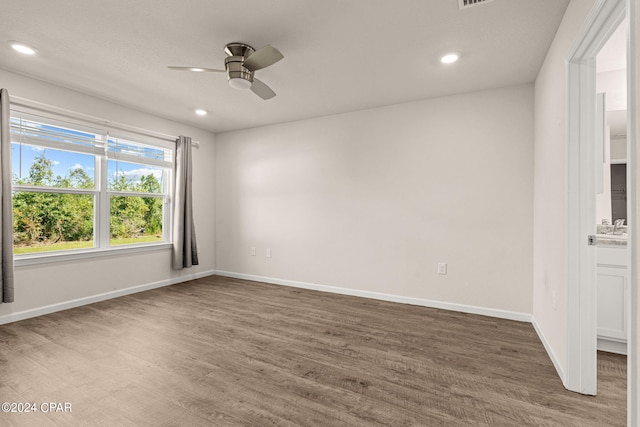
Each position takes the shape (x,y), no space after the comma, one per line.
(465,4)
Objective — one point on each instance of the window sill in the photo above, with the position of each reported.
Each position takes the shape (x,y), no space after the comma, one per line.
(64,256)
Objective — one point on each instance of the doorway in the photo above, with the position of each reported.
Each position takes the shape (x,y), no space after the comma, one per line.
(581,363)
(612,251)
(581,357)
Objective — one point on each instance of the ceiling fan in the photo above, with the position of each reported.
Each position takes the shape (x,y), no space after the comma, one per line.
(240,65)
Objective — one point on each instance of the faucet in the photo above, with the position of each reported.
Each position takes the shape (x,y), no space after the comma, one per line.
(618,223)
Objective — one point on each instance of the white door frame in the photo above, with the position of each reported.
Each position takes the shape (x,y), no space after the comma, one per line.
(581,357)
(580,221)
(633,186)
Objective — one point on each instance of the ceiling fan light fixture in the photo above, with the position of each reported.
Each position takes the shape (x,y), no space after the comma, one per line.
(240,65)
(239,83)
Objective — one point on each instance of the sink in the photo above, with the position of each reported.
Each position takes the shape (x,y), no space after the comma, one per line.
(611,239)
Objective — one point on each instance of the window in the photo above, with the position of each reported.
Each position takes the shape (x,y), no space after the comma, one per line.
(76,186)
(137,188)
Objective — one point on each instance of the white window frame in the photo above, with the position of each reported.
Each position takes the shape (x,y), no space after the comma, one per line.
(101,193)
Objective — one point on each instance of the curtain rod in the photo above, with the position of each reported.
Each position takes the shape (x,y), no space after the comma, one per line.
(35,105)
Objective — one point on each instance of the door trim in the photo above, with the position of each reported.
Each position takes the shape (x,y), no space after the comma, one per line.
(580,219)
(633,130)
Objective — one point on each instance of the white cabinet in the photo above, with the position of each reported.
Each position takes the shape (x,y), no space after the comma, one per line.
(612,297)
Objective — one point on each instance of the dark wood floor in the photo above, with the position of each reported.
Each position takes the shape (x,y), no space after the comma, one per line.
(226,352)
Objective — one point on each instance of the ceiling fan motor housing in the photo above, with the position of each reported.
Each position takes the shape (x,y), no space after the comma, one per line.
(239,77)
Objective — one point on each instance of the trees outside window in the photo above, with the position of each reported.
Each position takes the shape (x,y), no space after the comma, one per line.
(78,188)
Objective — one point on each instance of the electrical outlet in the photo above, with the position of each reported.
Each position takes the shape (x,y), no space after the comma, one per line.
(253,251)
(442,268)
(268,252)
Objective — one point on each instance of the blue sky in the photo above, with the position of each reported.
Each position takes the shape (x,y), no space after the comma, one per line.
(24,130)
(23,155)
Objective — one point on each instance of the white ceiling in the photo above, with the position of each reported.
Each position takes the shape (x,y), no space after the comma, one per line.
(339,55)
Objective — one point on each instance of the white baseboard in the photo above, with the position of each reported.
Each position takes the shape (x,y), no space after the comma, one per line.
(491,312)
(40,311)
(547,347)
(611,345)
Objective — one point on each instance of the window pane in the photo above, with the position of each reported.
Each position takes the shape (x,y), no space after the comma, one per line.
(116,146)
(47,132)
(136,219)
(64,169)
(32,165)
(124,176)
(51,221)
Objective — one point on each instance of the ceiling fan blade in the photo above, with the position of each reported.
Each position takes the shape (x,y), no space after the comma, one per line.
(262,58)
(196,69)
(262,90)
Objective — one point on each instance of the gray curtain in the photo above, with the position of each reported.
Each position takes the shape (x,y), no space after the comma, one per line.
(185,249)
(6,213)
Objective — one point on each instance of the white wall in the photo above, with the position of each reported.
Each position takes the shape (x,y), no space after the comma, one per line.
(49,287)
(603,199)
(618,149)
(373,200)
(549,184)
(614,84)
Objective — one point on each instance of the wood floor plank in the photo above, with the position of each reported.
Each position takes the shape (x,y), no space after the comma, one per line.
(227,352)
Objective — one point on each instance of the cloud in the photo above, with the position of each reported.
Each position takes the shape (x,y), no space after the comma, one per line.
(33,148)
(76,166)
(135,174)
(55,162)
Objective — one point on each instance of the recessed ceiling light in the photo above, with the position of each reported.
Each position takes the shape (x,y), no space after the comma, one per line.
(22,48)
(449,58)
(201,112)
